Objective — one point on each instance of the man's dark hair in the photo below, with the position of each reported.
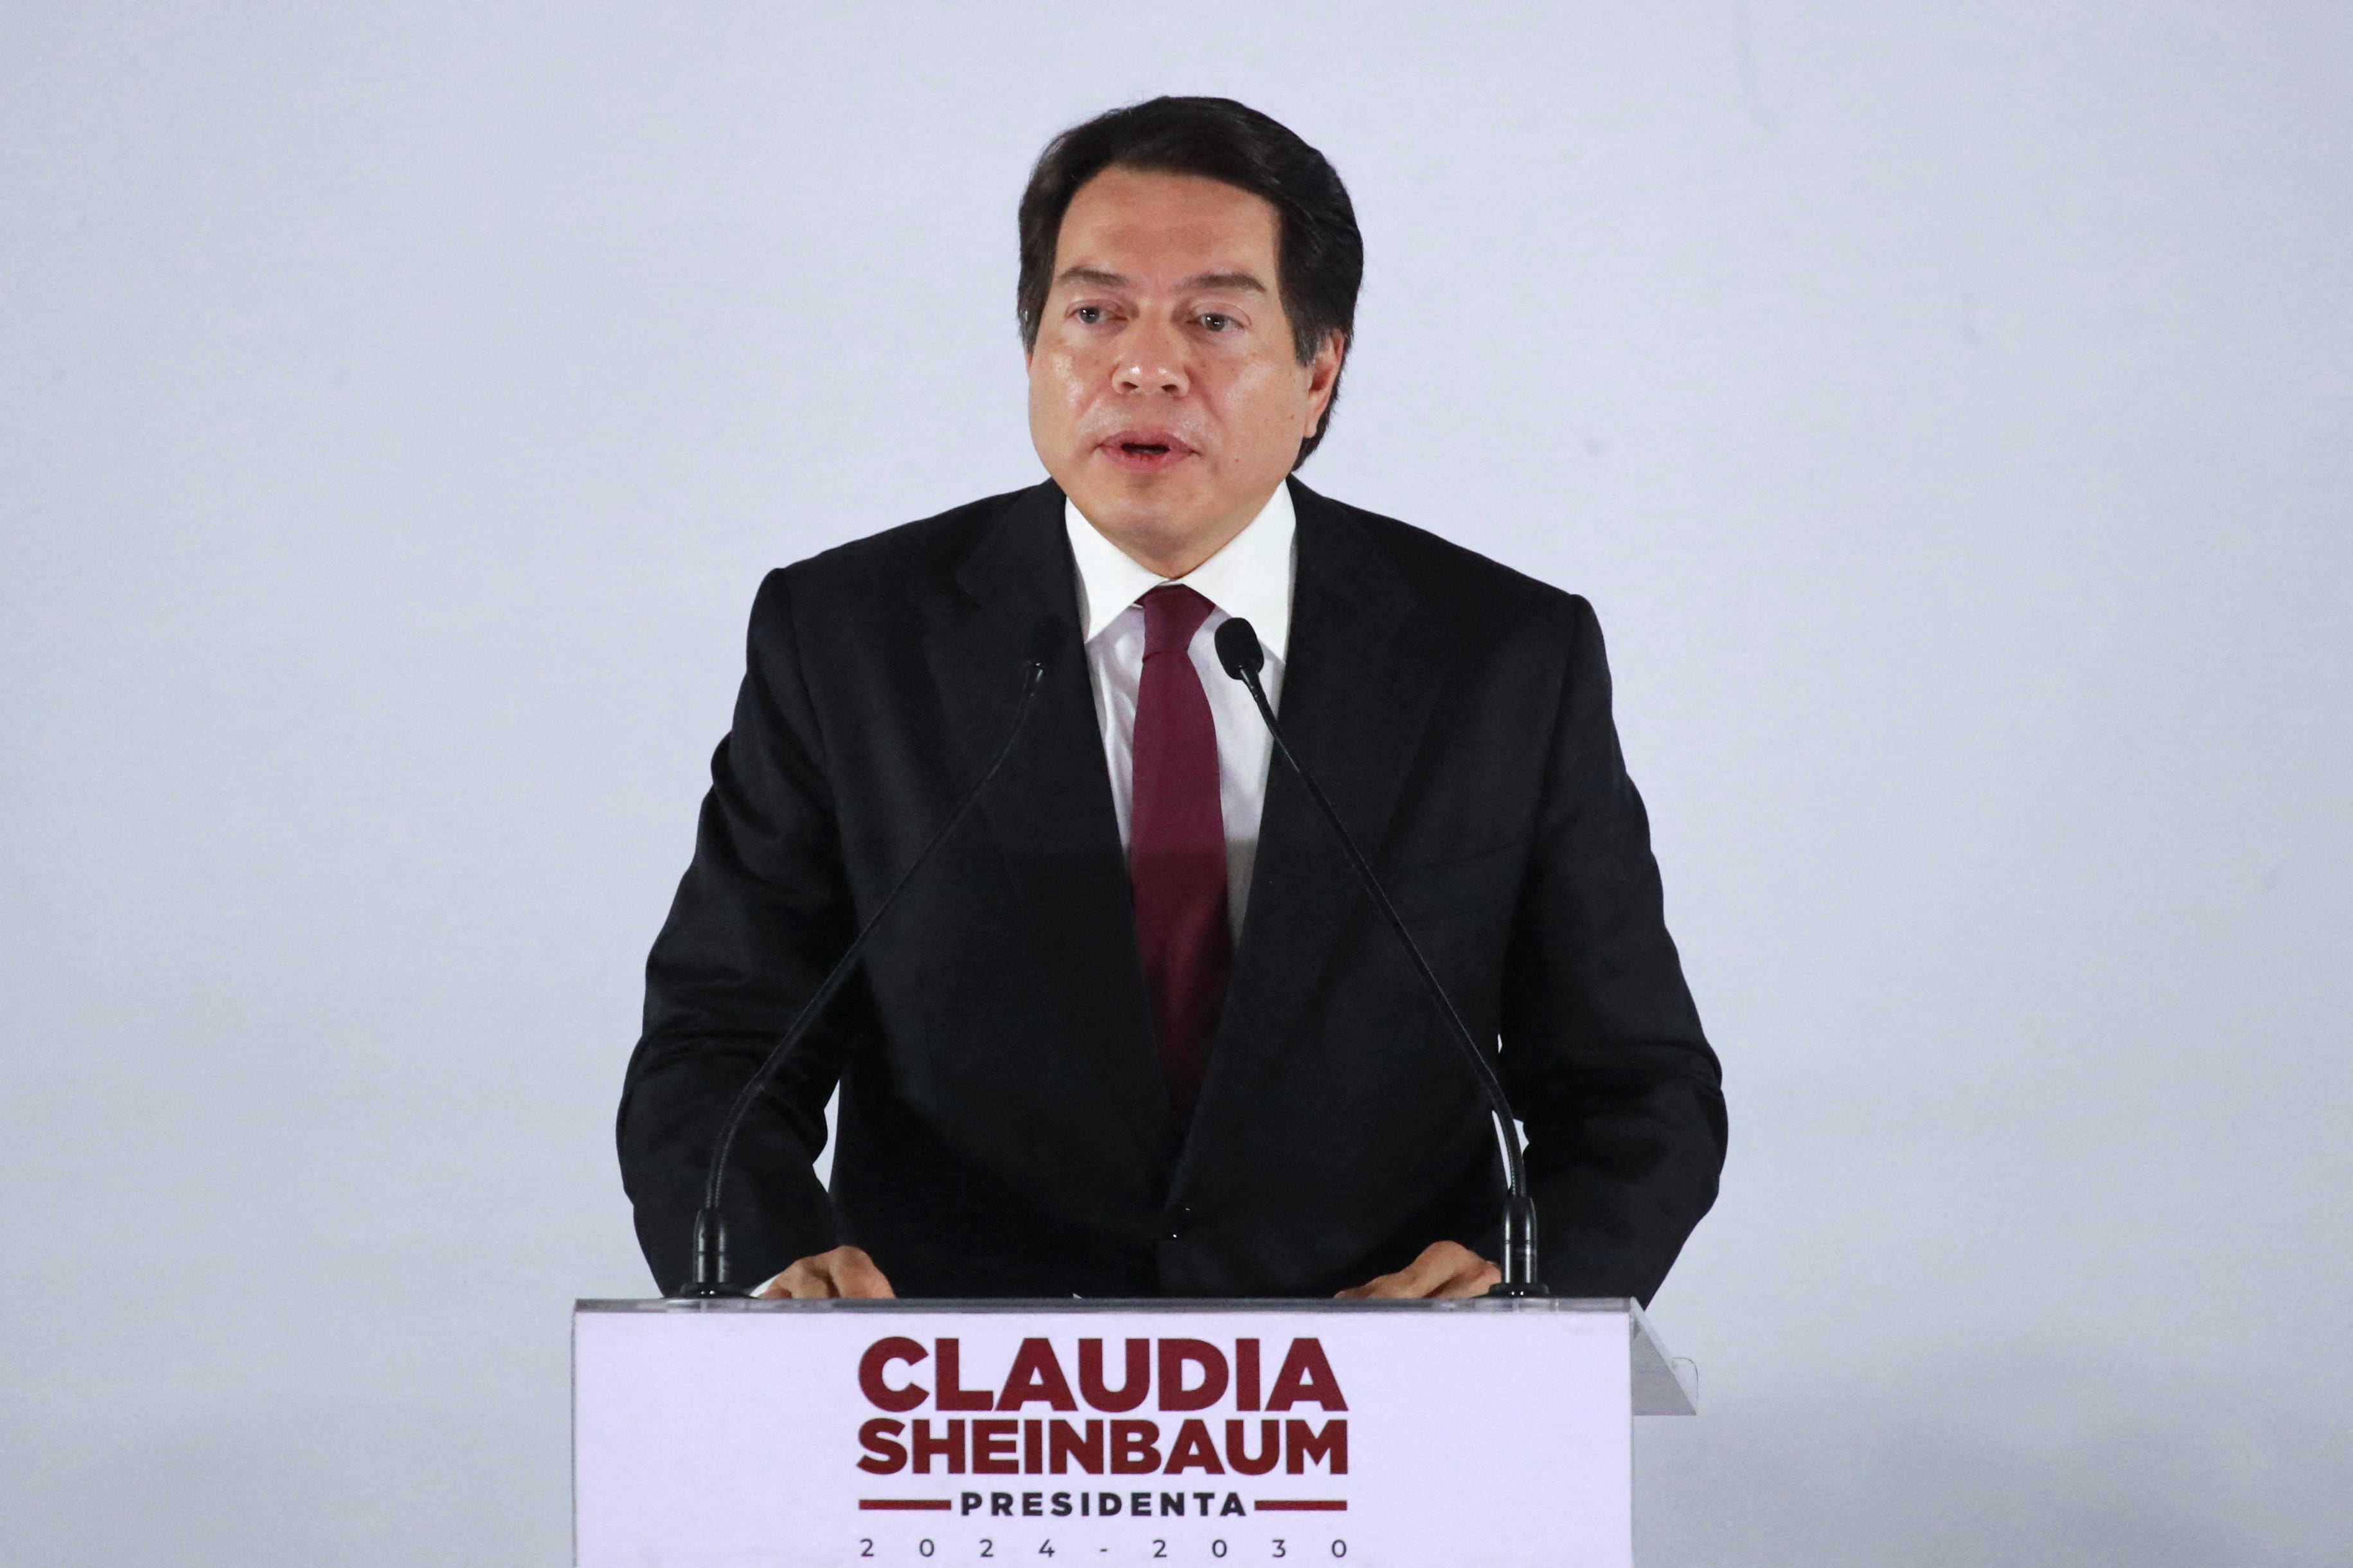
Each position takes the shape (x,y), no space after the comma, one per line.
(1319,255)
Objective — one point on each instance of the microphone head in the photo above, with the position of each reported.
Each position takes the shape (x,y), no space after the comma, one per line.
(1238,649)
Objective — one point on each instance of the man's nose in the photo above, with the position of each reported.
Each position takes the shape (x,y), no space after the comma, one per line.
(1152,360)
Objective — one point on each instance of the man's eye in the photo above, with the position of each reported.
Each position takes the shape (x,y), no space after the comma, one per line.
(1089,314)
(1212,322)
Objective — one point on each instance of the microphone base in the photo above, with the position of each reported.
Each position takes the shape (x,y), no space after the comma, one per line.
(1529,1293)
(709,1282)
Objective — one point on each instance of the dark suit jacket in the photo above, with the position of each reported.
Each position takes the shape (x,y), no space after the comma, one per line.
(1003,1127)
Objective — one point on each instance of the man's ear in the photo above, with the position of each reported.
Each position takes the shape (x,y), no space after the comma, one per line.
(1324,375)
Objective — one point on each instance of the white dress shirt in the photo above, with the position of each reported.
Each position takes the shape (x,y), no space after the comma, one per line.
(1250,578)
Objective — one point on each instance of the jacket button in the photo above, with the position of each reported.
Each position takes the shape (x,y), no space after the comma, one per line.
(1180,1220)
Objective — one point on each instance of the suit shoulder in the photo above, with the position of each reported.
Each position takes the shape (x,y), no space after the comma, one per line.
(911,552)
(891,573)
(1463,586)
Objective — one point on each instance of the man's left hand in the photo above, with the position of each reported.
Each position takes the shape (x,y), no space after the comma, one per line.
(1444,1269)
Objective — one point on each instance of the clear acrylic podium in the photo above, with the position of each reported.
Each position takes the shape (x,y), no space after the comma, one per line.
(1047,1433)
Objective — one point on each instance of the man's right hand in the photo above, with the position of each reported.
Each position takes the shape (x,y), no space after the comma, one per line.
(846,1272)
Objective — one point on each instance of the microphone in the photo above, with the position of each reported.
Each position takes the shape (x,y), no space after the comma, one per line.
(1239,651)
(710,1281)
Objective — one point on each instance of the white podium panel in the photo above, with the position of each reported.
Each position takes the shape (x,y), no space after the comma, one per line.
(745,1435)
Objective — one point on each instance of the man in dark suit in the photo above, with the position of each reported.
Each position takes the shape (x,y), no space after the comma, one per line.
(1135,1030)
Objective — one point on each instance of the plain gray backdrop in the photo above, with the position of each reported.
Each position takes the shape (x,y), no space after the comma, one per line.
(1946,406)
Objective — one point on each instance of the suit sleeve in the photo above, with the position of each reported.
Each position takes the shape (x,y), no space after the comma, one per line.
(762,912)
(1602,1049)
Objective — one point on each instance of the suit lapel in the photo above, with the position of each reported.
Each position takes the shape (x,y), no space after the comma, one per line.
(1362,674)
(1050,811)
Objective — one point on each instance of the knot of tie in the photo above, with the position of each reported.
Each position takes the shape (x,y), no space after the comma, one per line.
(1172,614)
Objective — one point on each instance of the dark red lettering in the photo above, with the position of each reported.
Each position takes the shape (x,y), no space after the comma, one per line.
(1245,1374)
(1306,1379)
(1238,1452)
(1036,1376)
(880,1354)
(951,1371)
(949,1448)
(991,1448)
(1176,1355)
(1193,1451)
(884,1454)
(1135,1447)
(1065,1443)
(1131,1393)
(1303,1446)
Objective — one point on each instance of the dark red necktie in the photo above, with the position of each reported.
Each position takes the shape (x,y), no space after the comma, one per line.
(1177,845)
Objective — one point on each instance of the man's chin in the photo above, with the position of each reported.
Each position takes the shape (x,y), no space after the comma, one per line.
(1154,528)
(1168,502)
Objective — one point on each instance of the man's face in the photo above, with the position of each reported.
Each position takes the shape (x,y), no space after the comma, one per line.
(1166,394)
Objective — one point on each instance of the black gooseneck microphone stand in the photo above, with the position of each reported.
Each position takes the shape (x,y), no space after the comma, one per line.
(1239,653)
(710,1281)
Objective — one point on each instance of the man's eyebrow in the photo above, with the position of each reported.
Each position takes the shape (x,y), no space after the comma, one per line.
(1238,281)
(1229,280)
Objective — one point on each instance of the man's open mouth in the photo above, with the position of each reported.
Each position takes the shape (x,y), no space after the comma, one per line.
(1147,451)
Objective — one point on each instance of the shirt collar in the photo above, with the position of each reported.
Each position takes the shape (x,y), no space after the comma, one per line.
(1248,579)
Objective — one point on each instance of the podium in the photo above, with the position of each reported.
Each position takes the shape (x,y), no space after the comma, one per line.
(1047,1433)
